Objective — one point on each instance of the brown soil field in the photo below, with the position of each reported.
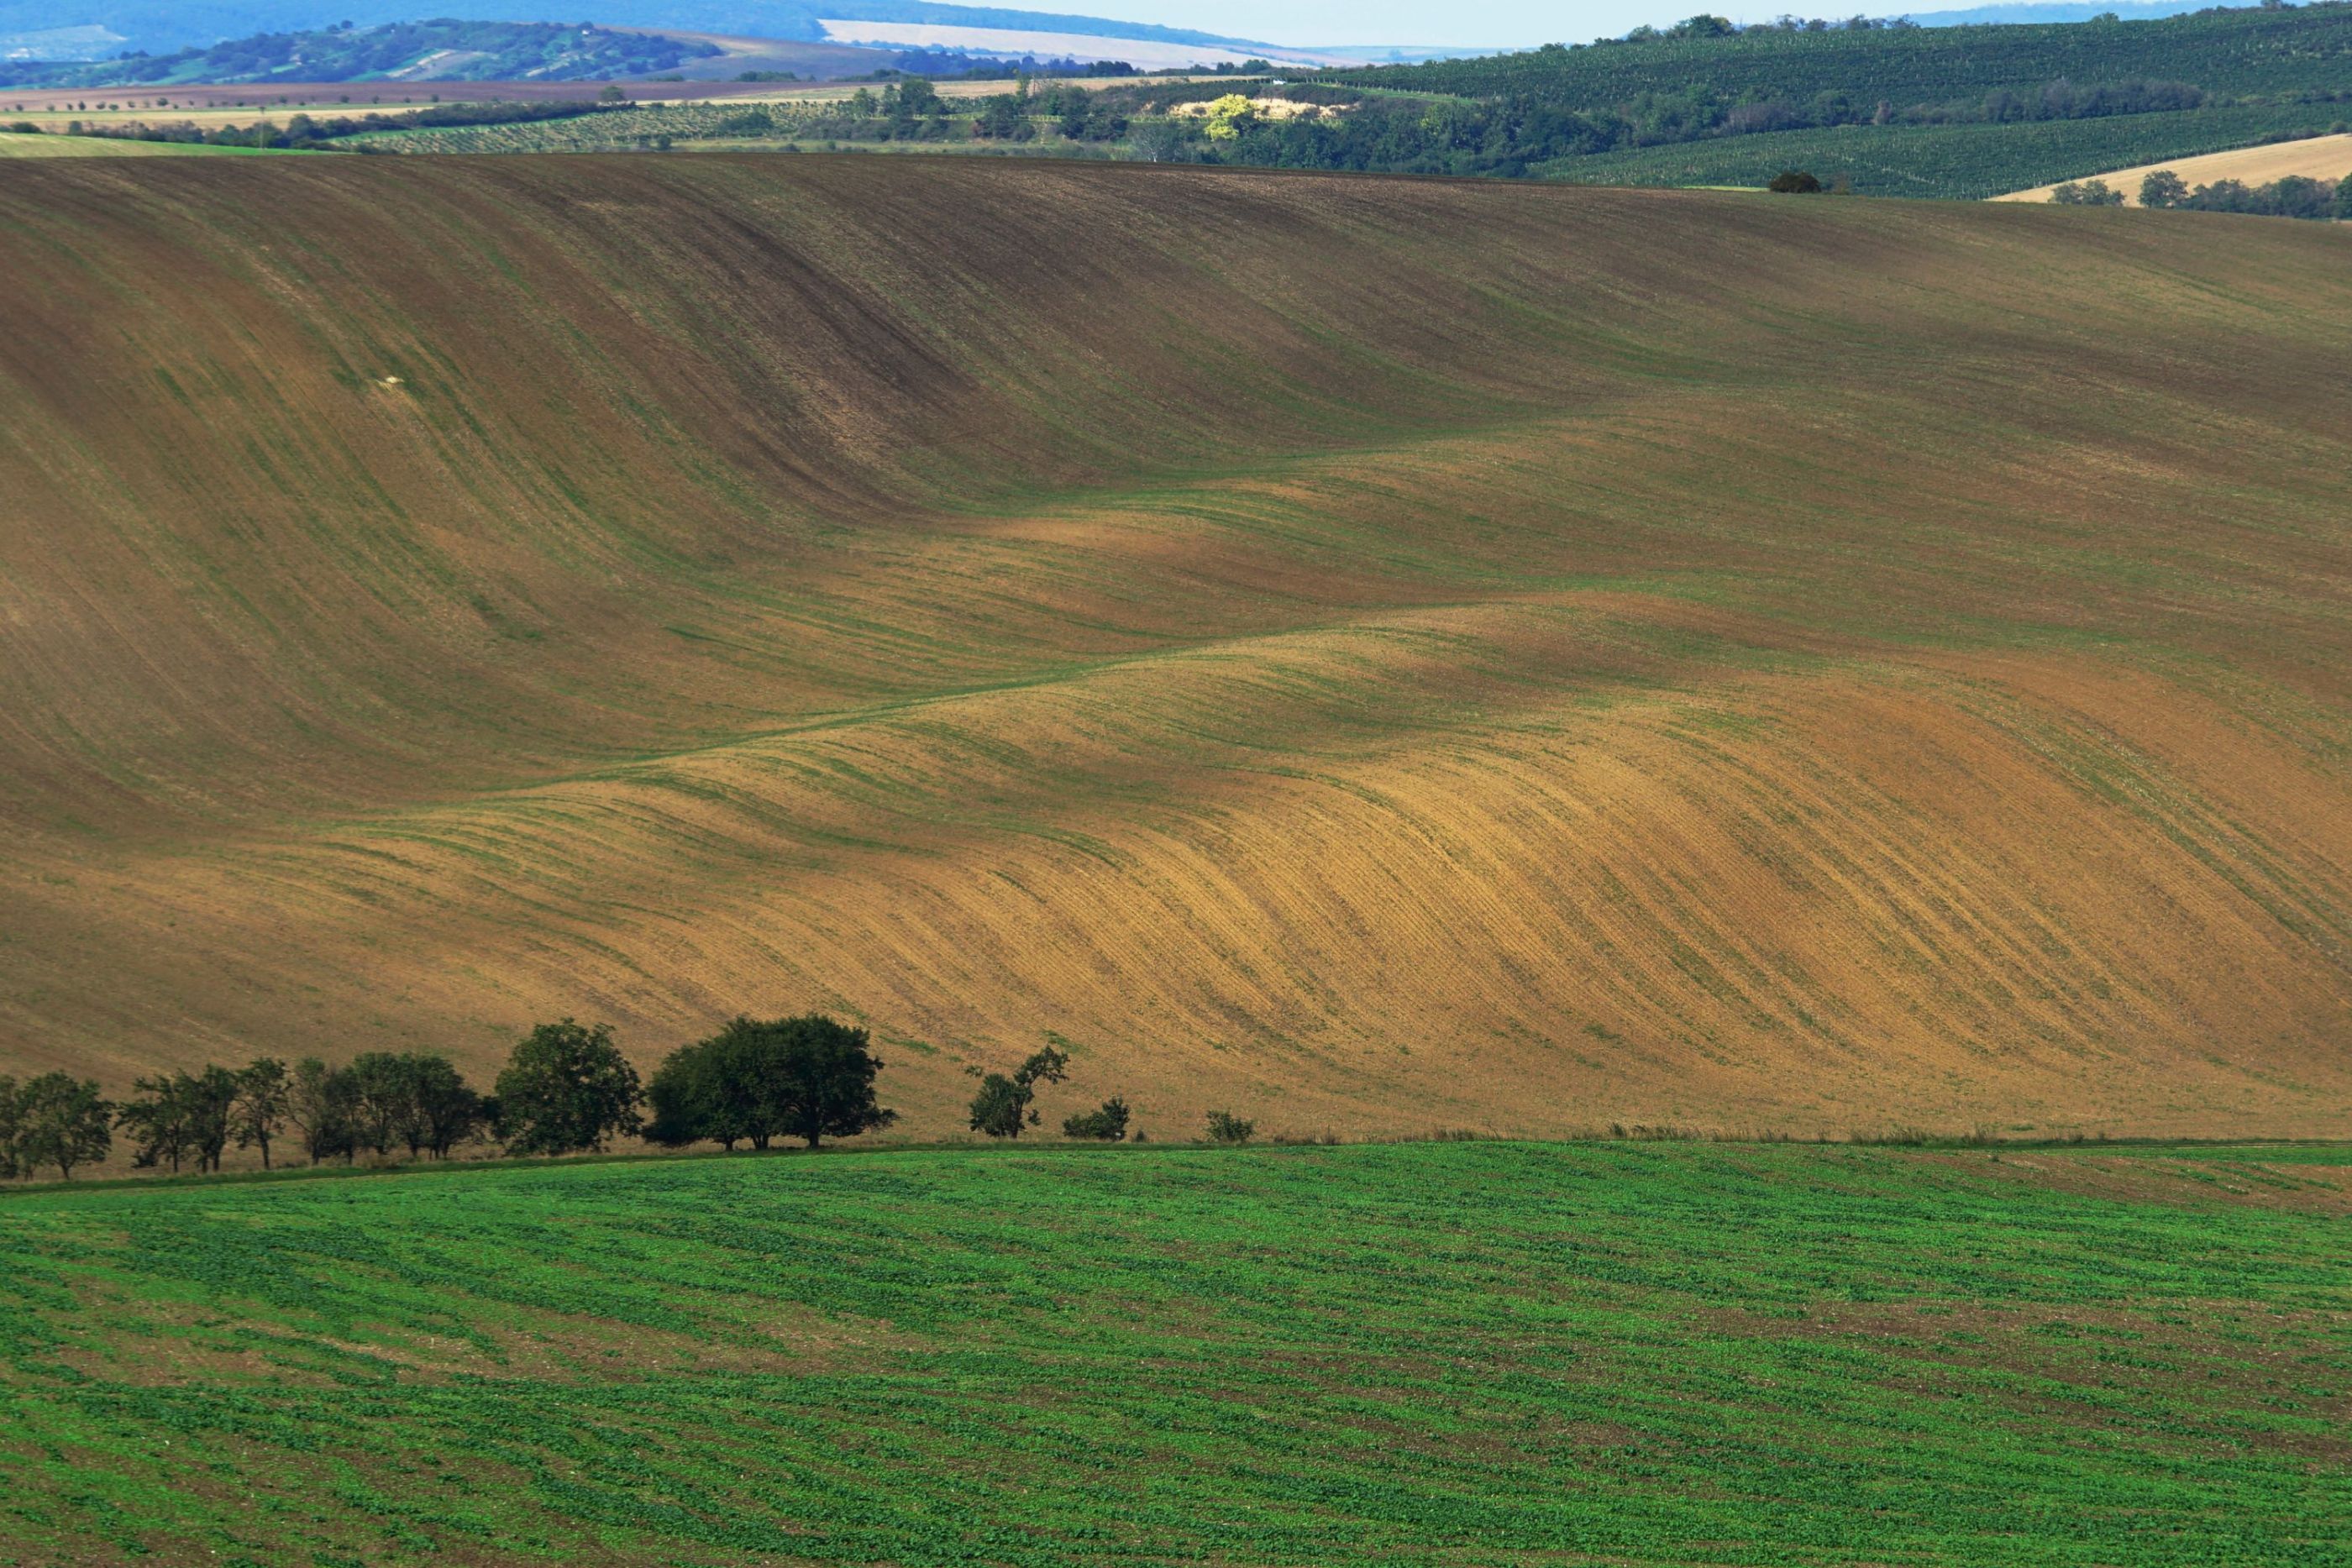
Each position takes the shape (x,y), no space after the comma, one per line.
(1373,653)
(2325,158)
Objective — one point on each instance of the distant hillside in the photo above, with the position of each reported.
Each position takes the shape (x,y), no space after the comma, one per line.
(2234,51)
(2022,105)
(162,26)
(440,50)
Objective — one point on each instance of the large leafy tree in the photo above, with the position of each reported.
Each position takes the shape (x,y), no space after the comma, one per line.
(695,1094)
(321,1103)
(62,1122)
(182,1115)
(755,1081)
(442,1109)
(262,1090)
(11,1128)
(740,1075)
(382,1089)
(824,1082)
(158,1119)
(567,1087)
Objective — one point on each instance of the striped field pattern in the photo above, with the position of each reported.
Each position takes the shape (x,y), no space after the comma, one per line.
(1373,653)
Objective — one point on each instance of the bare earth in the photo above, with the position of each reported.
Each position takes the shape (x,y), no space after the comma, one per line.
(1370,653)
(2320,158)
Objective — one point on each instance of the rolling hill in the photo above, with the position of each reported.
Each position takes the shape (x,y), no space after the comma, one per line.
(1965,111)
(2327,158)
(1373,653)
(441,50)
(93,29)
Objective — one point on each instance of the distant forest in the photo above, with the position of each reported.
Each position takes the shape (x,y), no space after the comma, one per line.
(1704,79)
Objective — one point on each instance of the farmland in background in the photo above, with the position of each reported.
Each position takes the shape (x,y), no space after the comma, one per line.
(611,131)
(20,146)
(1903,110)
(1957,163)
(1456,1353)
(2327,158)
(2243,50)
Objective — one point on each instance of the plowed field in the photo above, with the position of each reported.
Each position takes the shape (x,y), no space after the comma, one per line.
(1371,653)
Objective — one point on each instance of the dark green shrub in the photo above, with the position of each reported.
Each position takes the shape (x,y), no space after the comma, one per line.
(1002,1107)
(1108,1125)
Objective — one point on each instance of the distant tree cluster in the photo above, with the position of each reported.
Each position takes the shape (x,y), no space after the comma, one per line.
(56,1120)
(566,1089)
(753,1083)
(192,1117)
(384,1101)
(306,131)
(2293,196)
(1006,1104)
(2087,194)
(1705,27)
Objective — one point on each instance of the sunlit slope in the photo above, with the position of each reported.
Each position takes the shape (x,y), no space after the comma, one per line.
(1377,653)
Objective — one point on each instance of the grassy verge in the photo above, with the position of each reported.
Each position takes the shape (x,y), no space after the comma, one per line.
(1456,1353)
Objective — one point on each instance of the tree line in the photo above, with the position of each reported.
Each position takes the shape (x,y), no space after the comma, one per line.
(307,132)
(566,1089)
(2293,196)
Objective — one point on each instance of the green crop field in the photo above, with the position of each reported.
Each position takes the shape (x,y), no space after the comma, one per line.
(1438,1352)
(1954,162)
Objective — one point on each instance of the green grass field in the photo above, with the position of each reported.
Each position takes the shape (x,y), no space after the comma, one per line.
(1439,1352)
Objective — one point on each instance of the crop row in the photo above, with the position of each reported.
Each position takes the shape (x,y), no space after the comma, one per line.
(1441,1352)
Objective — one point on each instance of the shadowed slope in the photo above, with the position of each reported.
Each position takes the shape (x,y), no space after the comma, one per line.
(1377,651)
